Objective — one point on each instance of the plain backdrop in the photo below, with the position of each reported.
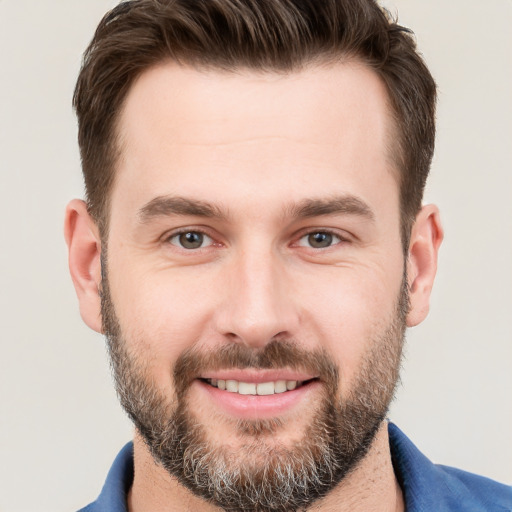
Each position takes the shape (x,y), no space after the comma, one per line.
(60,424)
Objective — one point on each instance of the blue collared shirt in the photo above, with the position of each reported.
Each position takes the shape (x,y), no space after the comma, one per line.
(427,487)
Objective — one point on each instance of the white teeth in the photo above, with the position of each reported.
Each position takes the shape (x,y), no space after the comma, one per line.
(265,388)
(246,388)
(280,386)
(250,388)
(291,385)
(232,386)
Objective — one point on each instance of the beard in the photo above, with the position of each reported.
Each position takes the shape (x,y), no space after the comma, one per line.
(262,475)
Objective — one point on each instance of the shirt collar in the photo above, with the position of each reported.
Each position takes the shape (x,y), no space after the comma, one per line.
(117,485)
(428,486)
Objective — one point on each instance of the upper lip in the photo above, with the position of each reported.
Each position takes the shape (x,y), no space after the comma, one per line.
(257,376)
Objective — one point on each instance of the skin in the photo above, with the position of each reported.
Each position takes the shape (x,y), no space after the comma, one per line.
(255,145)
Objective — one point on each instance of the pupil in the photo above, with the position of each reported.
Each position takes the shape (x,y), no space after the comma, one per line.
(319,240)
(191,240)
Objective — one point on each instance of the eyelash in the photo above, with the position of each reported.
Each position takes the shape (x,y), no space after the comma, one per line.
(334,234)
(329,232)
(186,231)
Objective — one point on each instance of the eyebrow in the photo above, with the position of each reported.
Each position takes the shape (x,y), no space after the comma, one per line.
(164,206)
(338,205)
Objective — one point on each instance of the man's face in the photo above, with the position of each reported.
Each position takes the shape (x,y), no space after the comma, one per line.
(254,245)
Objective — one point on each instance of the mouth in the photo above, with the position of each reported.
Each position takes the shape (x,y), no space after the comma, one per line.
(257,394)
(257,388)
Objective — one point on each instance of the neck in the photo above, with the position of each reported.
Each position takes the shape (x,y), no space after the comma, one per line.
(370,487)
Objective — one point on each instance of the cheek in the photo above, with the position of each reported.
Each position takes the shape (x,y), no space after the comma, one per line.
(352,313)
(161,316)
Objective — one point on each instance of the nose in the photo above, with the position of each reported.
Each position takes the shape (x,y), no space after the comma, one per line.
(257,305)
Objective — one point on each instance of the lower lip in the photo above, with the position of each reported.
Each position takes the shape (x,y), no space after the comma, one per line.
(255,406)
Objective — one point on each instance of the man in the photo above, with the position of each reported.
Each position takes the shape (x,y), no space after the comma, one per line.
(253,246)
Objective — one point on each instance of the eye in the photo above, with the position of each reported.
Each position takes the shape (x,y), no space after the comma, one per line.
(191,240)
(319,240)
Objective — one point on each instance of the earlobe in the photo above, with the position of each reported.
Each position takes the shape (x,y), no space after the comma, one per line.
(426,237)
(84,255)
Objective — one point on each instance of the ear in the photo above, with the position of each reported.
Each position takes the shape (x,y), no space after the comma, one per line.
(426,237)
(84,251)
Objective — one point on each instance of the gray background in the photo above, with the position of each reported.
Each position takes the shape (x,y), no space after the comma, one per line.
(60,424)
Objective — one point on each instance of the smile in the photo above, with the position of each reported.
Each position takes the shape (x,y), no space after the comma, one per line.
(256,395)
(252,388)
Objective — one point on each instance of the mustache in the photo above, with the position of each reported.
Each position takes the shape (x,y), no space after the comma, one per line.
(276,354)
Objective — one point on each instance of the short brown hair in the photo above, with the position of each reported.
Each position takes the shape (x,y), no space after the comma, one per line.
(268,35)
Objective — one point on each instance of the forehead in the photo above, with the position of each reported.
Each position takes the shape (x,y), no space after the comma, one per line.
(332,94)
(181,127)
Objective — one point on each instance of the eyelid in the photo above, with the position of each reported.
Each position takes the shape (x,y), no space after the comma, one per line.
(205,242)
(166,238)
(342,237)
